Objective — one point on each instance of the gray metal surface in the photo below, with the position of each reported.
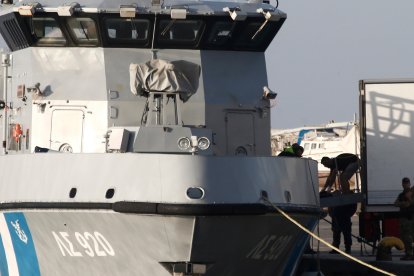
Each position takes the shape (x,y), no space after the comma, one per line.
(105,243)
(45,177)
(88,93)
(100,149)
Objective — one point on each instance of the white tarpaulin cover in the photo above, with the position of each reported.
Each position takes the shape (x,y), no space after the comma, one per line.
(162,76)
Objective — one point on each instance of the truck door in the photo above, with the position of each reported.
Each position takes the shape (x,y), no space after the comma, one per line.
(240,133)
(67,130)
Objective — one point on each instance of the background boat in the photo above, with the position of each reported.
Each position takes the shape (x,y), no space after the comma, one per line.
(318,141)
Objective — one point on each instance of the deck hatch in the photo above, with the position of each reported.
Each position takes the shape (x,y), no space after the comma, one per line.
(67,130)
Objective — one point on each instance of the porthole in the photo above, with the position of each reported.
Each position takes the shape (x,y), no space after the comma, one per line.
(110,193)
(241,151)
(195,193)
(288,197)
(72,193)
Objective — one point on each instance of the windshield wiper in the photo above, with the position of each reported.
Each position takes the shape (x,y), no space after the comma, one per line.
(168,27)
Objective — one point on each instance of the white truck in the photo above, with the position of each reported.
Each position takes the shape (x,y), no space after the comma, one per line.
(387,151)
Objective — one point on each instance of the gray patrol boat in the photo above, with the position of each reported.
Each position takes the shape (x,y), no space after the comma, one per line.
(136,141)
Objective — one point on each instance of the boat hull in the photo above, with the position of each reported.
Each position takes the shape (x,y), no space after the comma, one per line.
(104,242)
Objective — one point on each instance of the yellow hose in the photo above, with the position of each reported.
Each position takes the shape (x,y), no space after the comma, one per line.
(391,242)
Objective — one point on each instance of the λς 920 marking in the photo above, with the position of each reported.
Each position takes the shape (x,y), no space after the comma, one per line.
(92,244)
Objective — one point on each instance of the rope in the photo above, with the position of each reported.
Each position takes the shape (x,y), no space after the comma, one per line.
(326,243)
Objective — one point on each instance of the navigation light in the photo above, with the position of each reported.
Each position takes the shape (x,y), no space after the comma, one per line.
(203,143)
(184,143)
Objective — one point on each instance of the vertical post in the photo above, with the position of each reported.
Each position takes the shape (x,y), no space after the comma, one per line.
(357,174)
(164,109)
(5,63)
(178,119)
(150,109)
(158,109)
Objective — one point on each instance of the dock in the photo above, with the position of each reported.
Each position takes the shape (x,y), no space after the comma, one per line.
(337,264)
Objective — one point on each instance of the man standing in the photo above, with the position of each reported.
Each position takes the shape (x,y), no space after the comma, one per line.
(406,203)
(346,164)
(341,223)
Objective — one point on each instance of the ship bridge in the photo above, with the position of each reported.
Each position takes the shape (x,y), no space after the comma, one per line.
(83,71)
(228,26)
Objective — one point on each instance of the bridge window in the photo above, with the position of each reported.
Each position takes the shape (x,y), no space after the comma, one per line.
(221,33)
(254,35)
(128,30)
(83,30)
(47,31)
(109,30)
(180,32)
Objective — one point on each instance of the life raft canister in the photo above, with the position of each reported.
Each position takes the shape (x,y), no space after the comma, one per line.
(17,132)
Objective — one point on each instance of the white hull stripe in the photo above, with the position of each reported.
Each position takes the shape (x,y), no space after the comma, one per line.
(18,244)
(4,271)
(8,249)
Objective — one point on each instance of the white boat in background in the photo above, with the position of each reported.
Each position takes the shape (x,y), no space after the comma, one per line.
(329,140)
(318,141)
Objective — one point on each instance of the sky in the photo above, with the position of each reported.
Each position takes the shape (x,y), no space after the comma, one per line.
(326,46)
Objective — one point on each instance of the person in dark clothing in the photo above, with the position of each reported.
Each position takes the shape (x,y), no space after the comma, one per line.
(293,151)
(405,201)
(296,151)
(341,223)
(346,164)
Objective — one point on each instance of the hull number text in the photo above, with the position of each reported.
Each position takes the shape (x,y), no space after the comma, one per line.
(86,244)
(269,248)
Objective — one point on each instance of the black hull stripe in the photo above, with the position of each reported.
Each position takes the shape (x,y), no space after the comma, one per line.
(163,208)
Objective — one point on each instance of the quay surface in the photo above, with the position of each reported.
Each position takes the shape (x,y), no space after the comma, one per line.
(337,264)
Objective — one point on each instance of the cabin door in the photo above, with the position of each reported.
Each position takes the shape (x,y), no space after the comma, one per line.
(240,133)
(67,130)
